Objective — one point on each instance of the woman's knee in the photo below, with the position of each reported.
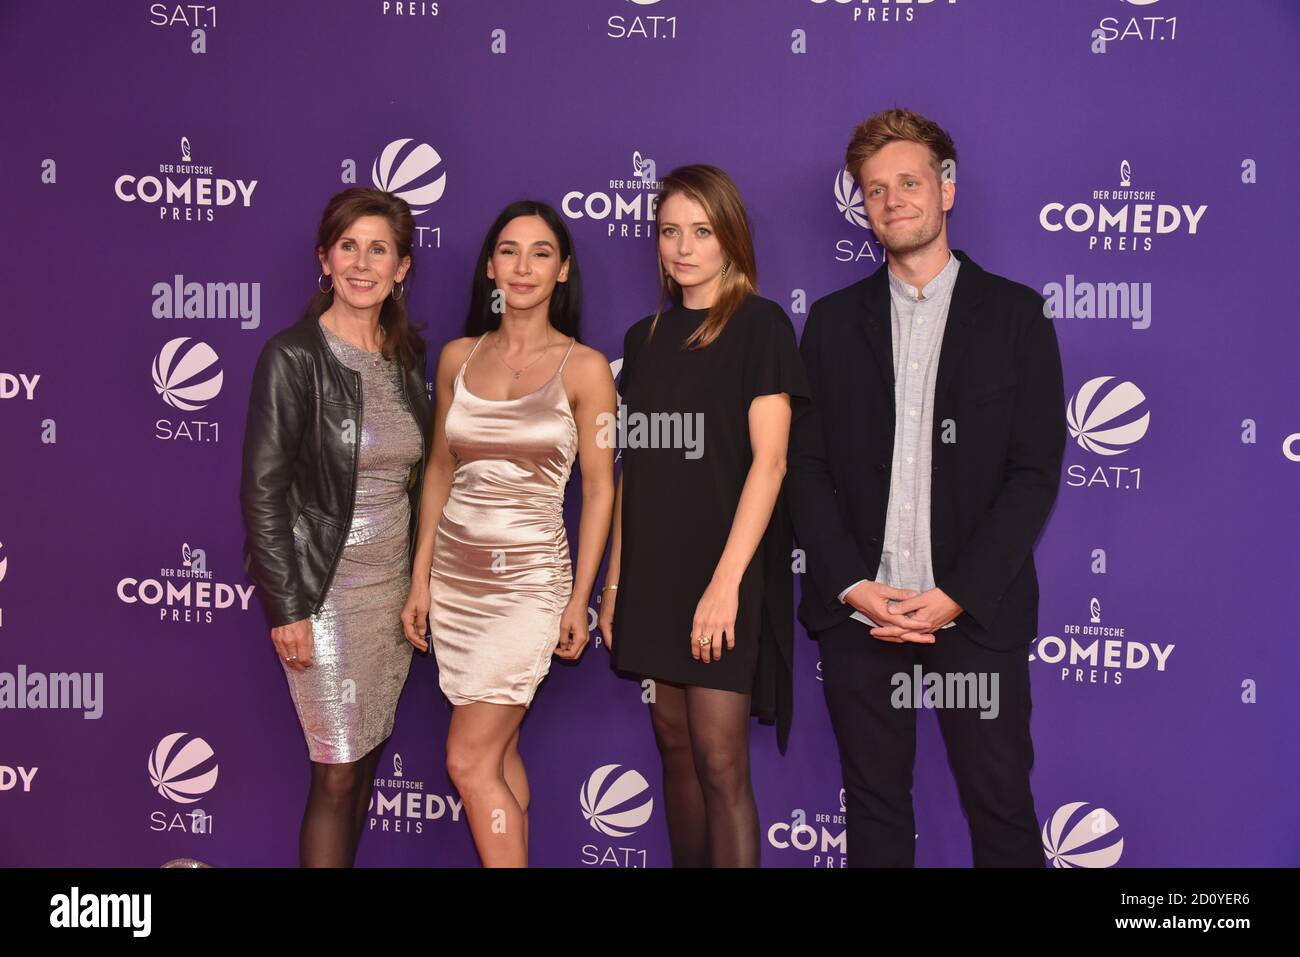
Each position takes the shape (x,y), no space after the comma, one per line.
(672,733)
(336,781)
(723,771)
(468,767)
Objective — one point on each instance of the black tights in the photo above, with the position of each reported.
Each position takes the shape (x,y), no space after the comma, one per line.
(703,739)
(336,811)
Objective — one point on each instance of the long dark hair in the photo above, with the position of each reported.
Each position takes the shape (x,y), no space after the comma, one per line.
(566,301)
(344,209)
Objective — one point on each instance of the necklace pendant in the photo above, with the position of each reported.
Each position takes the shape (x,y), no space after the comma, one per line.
(518,374)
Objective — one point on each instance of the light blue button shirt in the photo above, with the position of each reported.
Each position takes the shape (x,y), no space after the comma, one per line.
(918,319)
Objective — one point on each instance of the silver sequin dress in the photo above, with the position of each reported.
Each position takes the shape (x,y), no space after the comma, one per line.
(347,699)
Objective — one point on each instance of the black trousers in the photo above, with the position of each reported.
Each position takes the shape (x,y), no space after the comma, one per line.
(990,757)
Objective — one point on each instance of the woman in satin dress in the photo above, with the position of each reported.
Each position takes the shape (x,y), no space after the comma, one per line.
(518,399)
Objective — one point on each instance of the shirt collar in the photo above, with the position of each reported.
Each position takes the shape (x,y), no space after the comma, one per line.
(940,283)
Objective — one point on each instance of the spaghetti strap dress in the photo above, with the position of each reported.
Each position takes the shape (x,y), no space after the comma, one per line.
(501,575)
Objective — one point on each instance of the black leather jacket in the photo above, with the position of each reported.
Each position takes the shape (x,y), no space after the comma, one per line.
(299,477)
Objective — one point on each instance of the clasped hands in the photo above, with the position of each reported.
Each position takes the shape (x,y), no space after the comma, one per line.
(903,615)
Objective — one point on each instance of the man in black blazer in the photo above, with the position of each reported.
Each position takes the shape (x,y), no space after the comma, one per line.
(918,486)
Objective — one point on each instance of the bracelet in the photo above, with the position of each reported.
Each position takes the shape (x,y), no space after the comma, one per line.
(608,587)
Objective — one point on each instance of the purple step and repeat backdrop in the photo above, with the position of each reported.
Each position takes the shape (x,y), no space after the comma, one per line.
(163,169)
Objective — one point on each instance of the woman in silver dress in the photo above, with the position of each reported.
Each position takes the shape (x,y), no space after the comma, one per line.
(334,456)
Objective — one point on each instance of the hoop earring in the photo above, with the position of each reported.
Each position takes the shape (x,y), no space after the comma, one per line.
(321,288)
(396,287)
(726,266)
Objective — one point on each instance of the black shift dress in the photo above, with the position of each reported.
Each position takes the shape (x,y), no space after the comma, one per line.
(679,504)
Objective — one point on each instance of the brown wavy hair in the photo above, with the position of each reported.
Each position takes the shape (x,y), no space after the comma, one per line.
(401,340)
(717,194)
(894,124)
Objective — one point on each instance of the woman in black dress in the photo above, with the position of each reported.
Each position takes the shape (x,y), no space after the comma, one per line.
(698,594)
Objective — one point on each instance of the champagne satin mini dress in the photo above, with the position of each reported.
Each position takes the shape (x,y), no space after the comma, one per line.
(501,574)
